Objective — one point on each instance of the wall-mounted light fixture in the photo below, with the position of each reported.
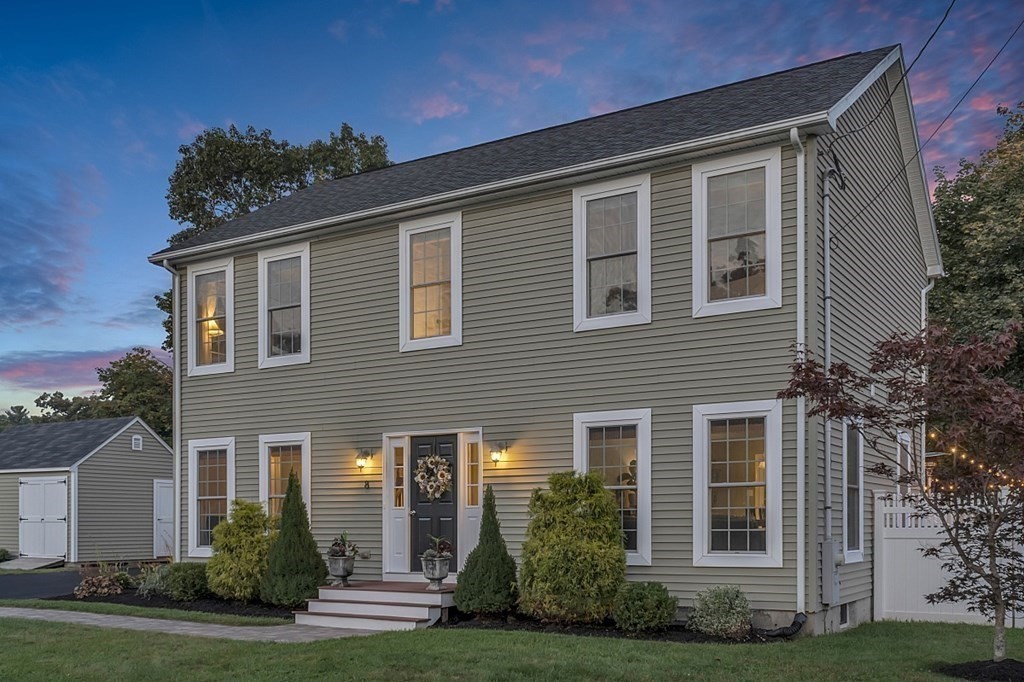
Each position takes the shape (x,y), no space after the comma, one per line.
(498,451)
(362,459)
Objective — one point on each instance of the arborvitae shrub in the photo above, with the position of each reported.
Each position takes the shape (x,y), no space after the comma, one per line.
(241,546)
(295,568)
(487,583)
(721,611)
(644,607)
(573,562)
(186,582)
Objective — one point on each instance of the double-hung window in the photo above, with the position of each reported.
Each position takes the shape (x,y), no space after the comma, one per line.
(430,282)
(211,487)
(211,318)
(280,455)
(612,253)
(853,492)
(284,306)
(737,233)
(737,484)
(617,446)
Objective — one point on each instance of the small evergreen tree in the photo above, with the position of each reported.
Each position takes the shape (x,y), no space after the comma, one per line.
(487,583)
(241,545)
(295,568)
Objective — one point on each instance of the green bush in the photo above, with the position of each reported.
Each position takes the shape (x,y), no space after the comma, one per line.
(644,607)
(98,586)
(5,555)
(241,545)
(573,562)
(487,583)
(721,611)
(295,568)
(153,580)
(186,582)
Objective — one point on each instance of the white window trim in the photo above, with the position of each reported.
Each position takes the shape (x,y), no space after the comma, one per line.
(228,266)
(266,257)
(452,221)
(641,184)
(641,418)
(137,443)
(856,555)
(771,410)
(771,160)
(194,446)
(302,439)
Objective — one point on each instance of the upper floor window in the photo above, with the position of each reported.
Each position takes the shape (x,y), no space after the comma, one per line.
(280,455)
(284,306)
(737,226)
(617,446)
(853,492)
(211,318)
(737,484)
(612,253)
(430,280)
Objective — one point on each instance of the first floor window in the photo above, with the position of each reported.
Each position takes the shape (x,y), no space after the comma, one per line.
(431,282)
(280,456)
(737,472)
(211,489)
(617,446)
(853,492)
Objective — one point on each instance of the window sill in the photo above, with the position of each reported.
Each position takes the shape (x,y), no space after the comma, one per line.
(854,557)
(284,360)
(738,561)
(637,559)
(611,321)
(219,368)
(200,552)
(739,305)
(432,342)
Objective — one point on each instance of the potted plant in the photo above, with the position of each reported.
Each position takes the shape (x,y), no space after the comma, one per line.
(341,559)
(436,561)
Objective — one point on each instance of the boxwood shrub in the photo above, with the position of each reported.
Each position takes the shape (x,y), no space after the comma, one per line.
(186,582)
(721,611)
(644,607)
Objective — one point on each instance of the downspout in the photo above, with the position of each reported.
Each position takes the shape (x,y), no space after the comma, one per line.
(176,404)
(924,324)
(801,345)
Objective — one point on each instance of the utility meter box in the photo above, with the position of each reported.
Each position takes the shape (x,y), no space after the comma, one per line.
(829,573)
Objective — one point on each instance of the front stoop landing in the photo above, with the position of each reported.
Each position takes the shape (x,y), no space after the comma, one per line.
(379,606)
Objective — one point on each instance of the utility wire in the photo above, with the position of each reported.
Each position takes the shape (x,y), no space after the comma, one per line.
(934,133)
(898,84)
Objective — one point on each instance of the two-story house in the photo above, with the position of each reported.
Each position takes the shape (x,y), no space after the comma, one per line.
(620,294)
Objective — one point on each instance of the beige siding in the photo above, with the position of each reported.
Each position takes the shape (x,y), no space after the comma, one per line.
(878,274)
(9,512)
(115,497)
(520,374)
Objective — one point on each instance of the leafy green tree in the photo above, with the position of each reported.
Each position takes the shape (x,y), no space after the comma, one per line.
(225,174)
(487,583)
(979,214)
(295,568)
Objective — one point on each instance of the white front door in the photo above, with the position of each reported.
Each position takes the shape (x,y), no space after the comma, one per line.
(43,516)
(163,518)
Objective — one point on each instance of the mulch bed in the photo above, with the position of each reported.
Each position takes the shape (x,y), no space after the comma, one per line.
(1008,670)
(675,633)
(236,608)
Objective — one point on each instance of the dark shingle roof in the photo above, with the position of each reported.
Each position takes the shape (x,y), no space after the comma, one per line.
(767,99)
(57,445)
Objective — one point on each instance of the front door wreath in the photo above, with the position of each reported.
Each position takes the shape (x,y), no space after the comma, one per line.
(433,476)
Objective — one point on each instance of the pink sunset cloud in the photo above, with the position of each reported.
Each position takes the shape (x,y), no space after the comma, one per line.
(437,106)
(59,370)
(547,67)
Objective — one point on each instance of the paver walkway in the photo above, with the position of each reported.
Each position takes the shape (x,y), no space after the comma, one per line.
(248,633)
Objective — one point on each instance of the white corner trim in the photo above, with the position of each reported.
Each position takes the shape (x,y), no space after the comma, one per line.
(641,184)
(641,418)
(194,550)
(227,266)
(302,439)
(73,520)
(769,158)
(267,256)
(452,221)
(855,555)
(771,410)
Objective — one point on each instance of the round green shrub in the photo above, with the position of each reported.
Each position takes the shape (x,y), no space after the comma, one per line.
(487,583)
(5,555)
(721,611)
(295,568)
(573,562)
(186,582)
(241,545)
(644,607)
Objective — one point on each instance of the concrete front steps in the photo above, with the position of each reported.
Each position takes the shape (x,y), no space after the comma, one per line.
(380,606)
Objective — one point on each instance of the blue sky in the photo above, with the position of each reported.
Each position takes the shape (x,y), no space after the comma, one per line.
(95,100)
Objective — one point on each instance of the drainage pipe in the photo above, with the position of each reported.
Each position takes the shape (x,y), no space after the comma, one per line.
(789,630)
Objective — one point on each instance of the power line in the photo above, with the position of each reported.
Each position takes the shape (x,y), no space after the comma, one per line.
(898,83)
(934,133)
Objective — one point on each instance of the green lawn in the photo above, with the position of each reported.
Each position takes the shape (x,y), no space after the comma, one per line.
(144,612)
(878,651)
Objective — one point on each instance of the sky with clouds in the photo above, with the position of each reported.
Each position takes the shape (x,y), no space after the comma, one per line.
(95,99)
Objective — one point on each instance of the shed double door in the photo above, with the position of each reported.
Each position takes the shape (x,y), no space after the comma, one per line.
(43,517)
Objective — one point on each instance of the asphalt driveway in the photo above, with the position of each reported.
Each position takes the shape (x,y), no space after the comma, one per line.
(38,585)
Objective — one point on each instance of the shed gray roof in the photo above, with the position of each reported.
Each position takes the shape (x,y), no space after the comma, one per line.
(780,96)
(57,445)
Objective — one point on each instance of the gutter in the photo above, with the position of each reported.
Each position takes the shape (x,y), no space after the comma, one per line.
(801,345)
(176,405)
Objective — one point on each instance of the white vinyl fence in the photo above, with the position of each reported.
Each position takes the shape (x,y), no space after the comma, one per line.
(903,575)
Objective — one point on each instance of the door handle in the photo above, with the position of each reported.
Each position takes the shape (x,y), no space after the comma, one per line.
(412,512)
